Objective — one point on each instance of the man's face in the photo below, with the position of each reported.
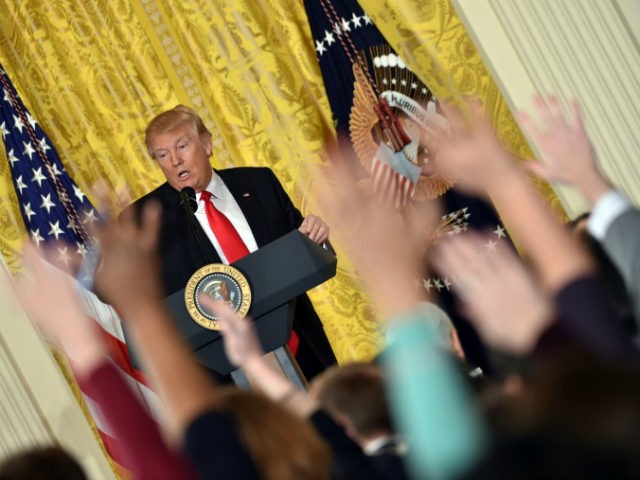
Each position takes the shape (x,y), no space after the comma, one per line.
(183,156)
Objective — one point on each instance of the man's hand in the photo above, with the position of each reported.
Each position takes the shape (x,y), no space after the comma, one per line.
(566,151)
(315,228)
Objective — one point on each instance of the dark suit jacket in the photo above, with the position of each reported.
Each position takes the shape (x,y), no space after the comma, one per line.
(266,206)
(270,214)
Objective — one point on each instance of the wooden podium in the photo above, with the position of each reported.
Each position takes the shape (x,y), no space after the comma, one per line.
(277,273)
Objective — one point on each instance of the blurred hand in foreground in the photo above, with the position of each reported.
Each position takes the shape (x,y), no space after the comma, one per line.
(129,274)
(567,154)
(385,244)
(241,343)
(499,294)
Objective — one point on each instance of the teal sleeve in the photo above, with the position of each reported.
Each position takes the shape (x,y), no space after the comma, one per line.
(431,401)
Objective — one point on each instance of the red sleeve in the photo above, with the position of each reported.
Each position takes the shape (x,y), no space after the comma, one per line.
(144,452)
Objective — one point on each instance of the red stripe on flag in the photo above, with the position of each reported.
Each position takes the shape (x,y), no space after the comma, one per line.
(387,181)
(116,450)
(120,355)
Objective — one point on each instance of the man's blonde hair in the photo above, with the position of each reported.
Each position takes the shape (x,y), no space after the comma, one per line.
(171,119)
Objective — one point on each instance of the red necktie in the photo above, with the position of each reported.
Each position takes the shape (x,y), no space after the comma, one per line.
(228,237)
(232,244)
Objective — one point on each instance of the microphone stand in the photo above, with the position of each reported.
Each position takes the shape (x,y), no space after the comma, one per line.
(190,205)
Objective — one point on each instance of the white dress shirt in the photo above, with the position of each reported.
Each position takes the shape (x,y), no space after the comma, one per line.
(608,207)
(225,203)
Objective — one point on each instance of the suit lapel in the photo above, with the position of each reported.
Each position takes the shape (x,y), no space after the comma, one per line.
(249,202)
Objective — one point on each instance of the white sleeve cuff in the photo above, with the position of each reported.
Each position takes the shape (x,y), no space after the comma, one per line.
(609,207)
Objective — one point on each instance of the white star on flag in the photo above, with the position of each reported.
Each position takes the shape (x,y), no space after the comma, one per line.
(47,203)
(38,176)
(57,172)
(78,193)
(18,123)
(43,144)
(28,211)
(491,245)
(56,231)
(90,216)
(81,250)
(500,232)
(12,158)
(20,184)
(63,255)
(36,237)
(28,149)
(328,37)
(32,121)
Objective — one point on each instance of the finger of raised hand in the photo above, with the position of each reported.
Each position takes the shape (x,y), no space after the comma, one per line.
(455,116)
(576,115)
(150,226)
(528,125)
(230,322)
(542,111)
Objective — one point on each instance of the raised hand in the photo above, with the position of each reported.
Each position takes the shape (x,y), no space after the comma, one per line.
(49,294)
(501,297)
(384,244)
(566,151)
(128,276)
(471,156)
(241,343)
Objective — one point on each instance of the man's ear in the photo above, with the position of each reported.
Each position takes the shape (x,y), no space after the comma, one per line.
(206,144)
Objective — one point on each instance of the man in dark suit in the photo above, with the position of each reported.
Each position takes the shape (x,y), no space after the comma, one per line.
(252,199)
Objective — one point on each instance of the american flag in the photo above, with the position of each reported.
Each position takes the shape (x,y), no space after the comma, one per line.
(55,210)
(393,176)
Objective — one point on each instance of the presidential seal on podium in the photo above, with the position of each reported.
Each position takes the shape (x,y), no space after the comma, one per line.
(220,282)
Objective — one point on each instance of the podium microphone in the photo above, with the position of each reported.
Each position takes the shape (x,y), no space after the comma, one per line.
(188,200)
(190,205)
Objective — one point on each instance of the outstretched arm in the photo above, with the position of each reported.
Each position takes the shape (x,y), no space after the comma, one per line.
(430,401)
(243,350)
(474,157)
(568,156)
(50,295)
(128,279)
